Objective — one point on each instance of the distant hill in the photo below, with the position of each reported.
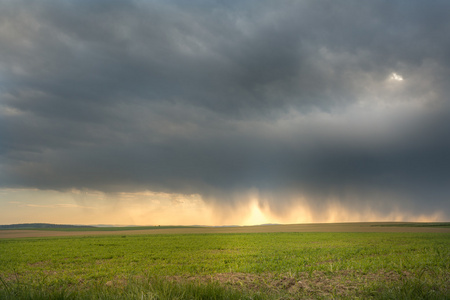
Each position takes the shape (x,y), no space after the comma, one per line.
(41,226)
(414,224)
(60,227)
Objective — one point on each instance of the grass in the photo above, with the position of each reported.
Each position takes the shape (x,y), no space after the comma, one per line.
(151,289)
(228,266)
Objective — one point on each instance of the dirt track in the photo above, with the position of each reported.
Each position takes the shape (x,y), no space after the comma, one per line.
(337,227)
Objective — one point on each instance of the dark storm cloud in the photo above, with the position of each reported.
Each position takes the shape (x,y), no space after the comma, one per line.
(290,98)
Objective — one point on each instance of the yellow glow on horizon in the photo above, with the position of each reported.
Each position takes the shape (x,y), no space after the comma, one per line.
(256,216)
(150,208)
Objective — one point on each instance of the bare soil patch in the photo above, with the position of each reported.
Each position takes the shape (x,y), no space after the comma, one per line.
(342,283)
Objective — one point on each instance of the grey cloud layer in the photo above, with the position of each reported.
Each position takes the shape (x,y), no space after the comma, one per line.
(291,98)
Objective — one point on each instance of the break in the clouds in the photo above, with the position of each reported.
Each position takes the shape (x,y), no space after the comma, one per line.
(312,103)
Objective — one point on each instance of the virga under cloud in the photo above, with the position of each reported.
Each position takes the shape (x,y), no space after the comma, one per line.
(310,102)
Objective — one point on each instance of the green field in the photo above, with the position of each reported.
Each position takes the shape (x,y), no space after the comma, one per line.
(228,266)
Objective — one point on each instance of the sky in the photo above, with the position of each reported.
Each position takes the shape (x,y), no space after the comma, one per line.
(152,112)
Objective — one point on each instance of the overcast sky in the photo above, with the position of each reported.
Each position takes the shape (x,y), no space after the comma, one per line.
(314,105)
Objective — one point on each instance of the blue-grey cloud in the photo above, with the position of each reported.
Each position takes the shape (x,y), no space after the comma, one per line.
(323,99)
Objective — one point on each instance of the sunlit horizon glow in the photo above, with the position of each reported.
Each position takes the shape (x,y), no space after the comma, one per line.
(149,208)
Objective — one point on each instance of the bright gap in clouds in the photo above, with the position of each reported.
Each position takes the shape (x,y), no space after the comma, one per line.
(396,77)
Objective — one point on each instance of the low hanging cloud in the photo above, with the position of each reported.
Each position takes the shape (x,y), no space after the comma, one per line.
(312,102)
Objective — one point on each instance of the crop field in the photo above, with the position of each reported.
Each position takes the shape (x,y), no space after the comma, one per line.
(317,227)
(258,265)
